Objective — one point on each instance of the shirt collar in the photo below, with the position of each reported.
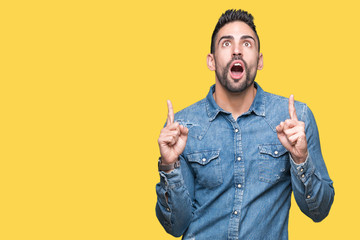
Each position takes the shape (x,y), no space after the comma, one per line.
(258,105)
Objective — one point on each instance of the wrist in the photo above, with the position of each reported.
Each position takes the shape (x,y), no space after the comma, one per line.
(167,167)
(300,159)
(168,161)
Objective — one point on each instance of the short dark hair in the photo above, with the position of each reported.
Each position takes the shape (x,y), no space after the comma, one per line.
(233,15)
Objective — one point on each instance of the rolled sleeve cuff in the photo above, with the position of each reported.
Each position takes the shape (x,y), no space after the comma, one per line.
(304,170)
(172,179)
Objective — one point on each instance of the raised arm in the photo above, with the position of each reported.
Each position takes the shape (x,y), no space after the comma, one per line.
(312,186)
(175,189)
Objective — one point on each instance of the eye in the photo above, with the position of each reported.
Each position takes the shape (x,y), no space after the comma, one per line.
(226,44)
(247,44)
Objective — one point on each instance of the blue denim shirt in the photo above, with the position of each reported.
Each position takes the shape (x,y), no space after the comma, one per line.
(235,179)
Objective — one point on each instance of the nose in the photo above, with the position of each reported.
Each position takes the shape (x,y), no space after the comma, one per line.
(237,51)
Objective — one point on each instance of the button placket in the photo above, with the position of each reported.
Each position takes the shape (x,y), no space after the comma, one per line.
(239,180)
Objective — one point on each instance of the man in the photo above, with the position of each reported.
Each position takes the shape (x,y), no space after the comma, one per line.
(229,162)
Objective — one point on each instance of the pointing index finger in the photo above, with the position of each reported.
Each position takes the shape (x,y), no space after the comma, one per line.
(170,119)
(292,110)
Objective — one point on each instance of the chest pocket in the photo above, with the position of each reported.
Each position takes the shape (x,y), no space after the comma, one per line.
(207,167)
(274,163)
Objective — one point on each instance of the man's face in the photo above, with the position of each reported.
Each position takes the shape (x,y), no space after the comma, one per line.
(236,58)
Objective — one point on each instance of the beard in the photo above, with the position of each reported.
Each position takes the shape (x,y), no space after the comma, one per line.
(227,83)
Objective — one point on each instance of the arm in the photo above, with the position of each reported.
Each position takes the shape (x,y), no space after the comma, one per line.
(175,192)
(312,186)
(174,204)
(311,183)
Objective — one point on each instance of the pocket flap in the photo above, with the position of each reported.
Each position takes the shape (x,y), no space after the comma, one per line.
(275,150)
(204,157)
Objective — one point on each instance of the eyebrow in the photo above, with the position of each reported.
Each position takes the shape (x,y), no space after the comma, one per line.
(225,37)
(232,37)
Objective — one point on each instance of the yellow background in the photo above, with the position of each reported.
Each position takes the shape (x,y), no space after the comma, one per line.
(83,98)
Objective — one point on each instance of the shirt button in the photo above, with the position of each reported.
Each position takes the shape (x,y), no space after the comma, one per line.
(235,212)
(236,130)
(276,152)
(239,158)
(204,159)
(303,176)
(239,185)
(308,196)
(301,169)
(168,209)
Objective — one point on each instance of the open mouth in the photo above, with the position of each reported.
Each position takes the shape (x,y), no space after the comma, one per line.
(237,70)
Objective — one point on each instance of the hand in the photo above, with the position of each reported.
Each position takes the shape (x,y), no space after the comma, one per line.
(172,140)
(291,134)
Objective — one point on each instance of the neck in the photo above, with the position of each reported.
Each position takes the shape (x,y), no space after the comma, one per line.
(235,102)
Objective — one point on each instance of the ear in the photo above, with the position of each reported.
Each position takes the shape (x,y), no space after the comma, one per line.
(260,62)
(210,61)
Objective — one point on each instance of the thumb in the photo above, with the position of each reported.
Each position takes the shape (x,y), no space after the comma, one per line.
(184,130)
(283,140)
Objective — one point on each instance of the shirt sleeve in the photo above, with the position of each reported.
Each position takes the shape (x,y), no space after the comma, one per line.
(175,212)
(313,189)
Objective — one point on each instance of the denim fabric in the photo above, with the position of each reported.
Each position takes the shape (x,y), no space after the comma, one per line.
(235,179)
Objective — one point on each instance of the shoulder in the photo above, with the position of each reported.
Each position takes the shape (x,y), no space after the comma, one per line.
(193,112)
(277,108)
(195,118)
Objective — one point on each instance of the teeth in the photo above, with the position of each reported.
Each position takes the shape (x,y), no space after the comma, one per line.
(237,64)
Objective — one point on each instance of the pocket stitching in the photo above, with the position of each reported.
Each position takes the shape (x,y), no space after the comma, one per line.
(209,156)
(204,178)
(267,153)
(269,149)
